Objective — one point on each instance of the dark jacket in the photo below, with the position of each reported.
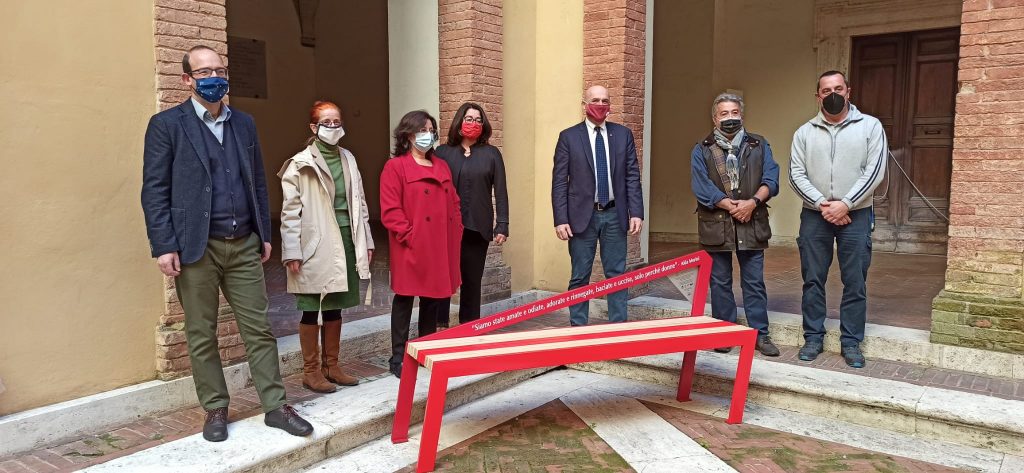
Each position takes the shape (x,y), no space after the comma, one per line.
(176,182)
(572,182)
(717,230)
(475,178)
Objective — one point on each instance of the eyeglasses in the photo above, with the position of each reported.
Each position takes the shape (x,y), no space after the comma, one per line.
(330,124)
(473,120)
(207,72)
(432,132)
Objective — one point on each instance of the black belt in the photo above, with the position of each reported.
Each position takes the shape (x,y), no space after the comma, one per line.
(599,207)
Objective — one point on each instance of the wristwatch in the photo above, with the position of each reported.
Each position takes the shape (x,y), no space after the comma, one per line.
(756,200)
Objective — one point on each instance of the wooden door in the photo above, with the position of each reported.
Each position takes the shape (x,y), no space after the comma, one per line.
(908,81)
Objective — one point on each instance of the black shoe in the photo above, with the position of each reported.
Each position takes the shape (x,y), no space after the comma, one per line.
(396,370)
(765,346)
(853,357)
(216,427)
(810,351)
(723,349)
(286,419)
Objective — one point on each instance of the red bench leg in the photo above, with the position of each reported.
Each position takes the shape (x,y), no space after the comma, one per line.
(432,421)
(686,376)
(403,408)
(739,388)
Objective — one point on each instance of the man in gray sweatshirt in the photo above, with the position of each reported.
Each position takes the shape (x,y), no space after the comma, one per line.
(838,159)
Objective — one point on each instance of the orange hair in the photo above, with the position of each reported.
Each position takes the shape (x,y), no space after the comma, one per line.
(318,107)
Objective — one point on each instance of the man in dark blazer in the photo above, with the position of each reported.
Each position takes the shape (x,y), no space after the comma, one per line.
(204,196)
(596,197)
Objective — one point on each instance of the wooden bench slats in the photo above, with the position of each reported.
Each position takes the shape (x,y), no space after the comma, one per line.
(542,338)
(414,347)
(461,355)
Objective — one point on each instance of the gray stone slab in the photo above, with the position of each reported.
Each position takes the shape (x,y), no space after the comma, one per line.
(645,440)
(459,424)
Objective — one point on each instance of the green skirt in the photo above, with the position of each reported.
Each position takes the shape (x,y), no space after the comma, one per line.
(336,300)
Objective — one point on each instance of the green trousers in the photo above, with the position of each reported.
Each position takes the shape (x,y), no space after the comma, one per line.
(232,266)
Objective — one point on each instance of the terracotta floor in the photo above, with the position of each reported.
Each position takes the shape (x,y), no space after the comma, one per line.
(900,287)
(552,438)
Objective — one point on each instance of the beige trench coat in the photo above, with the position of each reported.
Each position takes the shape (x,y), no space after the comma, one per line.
(309,229)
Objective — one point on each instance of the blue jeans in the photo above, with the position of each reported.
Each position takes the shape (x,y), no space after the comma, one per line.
(604,227)
(853,241)
(755,296)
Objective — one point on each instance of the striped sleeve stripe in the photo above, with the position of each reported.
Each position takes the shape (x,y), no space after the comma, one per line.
(792,183)
(874,174)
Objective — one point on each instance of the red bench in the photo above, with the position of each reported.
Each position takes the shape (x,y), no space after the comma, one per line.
(448,355)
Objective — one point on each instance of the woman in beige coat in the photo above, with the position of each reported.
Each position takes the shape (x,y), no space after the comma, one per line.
(326,243)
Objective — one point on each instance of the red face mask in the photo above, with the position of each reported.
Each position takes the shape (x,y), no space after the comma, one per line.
(472,130)
(597,112)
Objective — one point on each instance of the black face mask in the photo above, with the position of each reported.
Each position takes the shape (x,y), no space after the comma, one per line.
(833,104)
(730,126)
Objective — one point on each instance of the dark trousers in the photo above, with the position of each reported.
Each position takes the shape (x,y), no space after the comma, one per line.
(853,244)
(474,255)
(401,315)
(604,227)
(755,296)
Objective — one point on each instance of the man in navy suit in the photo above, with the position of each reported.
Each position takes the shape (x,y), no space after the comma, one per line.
(204,196)
(596,197)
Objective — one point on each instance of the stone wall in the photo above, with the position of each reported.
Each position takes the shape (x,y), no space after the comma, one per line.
(981,305)
(614,41)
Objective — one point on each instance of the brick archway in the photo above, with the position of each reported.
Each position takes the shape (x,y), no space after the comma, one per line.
(471,70)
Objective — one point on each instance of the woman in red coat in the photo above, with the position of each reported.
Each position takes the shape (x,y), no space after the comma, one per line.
(420,209)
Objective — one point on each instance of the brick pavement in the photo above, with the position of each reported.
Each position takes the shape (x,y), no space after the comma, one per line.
(151,431)
(752,449)
(549,438)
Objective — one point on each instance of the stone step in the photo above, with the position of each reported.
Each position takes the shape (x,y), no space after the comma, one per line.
(49,425)
(881,341)
(962,418)
(342,422)
(641,439)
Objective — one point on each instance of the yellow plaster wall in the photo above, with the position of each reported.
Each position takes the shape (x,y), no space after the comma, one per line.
(79,294)
(765,50)
(543,90)
(413,62)
(762,48)
(352,71)
(680,114)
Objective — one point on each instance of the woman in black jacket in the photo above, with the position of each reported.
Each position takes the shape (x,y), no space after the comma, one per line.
(477,172)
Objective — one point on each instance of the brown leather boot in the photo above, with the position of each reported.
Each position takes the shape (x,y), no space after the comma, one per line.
(312,378)
(332,345)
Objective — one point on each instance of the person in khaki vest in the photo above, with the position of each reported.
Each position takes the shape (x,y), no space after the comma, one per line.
(325,243)
(733,176)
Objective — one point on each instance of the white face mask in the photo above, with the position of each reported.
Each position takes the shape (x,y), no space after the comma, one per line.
(330,136)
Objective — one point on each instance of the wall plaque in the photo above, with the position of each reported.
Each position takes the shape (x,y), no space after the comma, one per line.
(247,62)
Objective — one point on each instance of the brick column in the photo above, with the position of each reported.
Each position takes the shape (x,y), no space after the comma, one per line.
(614,42)
(179,25)
(981,305)
(470,49)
